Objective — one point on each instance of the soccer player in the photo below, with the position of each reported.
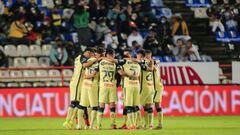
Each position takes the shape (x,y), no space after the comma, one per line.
(131,88)
(80,63)
(107,88)
(89,94)
(147,89)
(157,99)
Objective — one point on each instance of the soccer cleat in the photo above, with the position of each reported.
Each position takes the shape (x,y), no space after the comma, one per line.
(99,127)
(151,127)
(67,125)
(87,122)
(113,126)
(159,127)
(124,126)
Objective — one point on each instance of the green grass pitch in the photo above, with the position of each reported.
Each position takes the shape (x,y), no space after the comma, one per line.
(221,125)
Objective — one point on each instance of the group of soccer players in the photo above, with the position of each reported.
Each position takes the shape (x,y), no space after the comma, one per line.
(94,84)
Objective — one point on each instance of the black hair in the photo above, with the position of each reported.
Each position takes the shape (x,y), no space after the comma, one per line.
(89,49)
(148,52)
(128,50)
(141,51)
(100,50)
(110,52)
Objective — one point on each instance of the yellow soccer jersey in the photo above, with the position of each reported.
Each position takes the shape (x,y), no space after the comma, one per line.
(77,77)
(157,78)
(146,77)
(107,72)
(87,83)
(131,68)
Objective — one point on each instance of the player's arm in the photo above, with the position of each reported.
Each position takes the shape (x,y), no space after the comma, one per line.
(109,59)
(150,66)
(88,63)
(91,75)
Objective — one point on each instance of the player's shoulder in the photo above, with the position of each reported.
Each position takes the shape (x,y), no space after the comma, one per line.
(92,59)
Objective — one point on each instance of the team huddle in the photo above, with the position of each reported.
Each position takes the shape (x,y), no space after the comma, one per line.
(94,84)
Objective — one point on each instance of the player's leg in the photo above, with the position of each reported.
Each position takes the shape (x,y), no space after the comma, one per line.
(112,98)
(136,104)
(159,115)
(72,110)
(102,100)
(130,108)
(100,115)
(82,109)
(124,126)
(93,99)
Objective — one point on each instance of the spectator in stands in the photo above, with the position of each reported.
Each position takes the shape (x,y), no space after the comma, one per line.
(151,43)
(236,10)
(135,48)
(216,24)
(58,53)
(179,26)
(111,39)
(100,29)
(192,51)
(3,59)
(18,7)
(18,31)
(56,21)
(134,36)
(180,50)
(81,21)
(1,8)
(46,31)
(33,13)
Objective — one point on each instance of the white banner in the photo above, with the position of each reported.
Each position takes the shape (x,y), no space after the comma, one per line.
(236,72)
(189,73)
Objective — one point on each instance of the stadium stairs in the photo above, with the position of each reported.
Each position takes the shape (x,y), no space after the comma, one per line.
(201,33)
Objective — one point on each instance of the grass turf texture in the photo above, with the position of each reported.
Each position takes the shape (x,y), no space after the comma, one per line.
(222,125)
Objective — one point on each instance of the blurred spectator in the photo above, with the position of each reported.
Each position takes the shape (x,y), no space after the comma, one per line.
(157,3)
(216,24)
(135,48)
(151,43)
(179,26)
(46,31)
(134,36)
(56,21)
(180,50)
(81,20)
(111,40)
(58,53)
(18,7)
(3,59)
(192,51)
(18,31)
(33,14)
(99,28)
(1,8)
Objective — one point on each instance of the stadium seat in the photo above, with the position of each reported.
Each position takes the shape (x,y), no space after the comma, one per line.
(24,84)
(173,59)
(67,73)
(29,73)
(35,50)
(46,50)
(10,50)
(52,84)
(39,84)
(166,59)
(32,62)
(2,85)
(206,58)
(44,62)
(12,85)
(4,74)
(19,62)
(54,75)
(16,75)
(43,74)
(23,50)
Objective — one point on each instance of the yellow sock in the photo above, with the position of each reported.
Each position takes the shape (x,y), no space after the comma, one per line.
(150,118)
(89,112)
(74,114)
(99,119)
(124,119)
(69,114)
(130,119)
(146,118)
(93,117)
(160,118)
(113,117)
(81,122)
(138,118)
